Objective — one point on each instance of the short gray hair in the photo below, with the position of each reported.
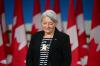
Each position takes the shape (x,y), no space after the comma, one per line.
(51,14)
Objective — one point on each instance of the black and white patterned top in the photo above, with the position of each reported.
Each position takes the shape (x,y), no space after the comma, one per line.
(44,51)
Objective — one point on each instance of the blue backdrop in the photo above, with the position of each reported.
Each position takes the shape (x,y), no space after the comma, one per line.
(28,9)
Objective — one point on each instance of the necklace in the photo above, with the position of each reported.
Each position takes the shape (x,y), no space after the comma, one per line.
(46,47)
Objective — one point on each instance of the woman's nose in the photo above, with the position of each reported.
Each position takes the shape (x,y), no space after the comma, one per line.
(47,25)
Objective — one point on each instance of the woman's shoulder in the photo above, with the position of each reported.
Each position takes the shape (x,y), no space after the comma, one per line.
(63,34)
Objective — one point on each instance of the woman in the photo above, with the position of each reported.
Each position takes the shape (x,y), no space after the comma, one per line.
(49,47)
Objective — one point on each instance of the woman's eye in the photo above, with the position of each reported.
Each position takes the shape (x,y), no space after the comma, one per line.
(51,23)
(44,23)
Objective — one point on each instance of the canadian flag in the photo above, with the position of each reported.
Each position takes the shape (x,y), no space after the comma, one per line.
(57,10)
(36,22)
(47,5)
(2,51)
(94,46)
(83,49)
(4,31)
(72,32)
(19,42)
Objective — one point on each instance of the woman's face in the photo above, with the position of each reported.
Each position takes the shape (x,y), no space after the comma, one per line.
(48,25)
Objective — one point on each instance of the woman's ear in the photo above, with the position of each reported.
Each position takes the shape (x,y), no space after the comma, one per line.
(56,23)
